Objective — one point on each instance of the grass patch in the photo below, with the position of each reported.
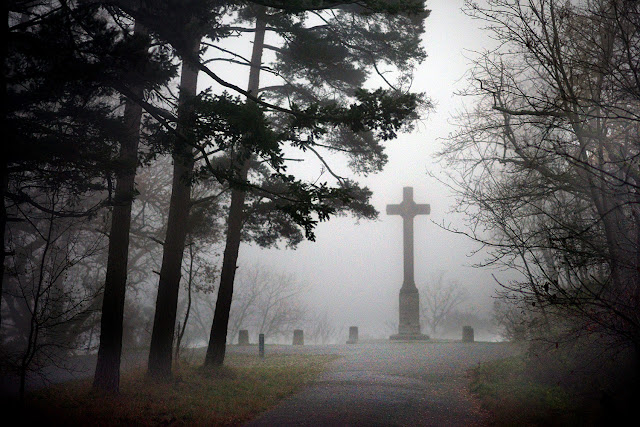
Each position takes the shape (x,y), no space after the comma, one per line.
(230,395)
(509,390)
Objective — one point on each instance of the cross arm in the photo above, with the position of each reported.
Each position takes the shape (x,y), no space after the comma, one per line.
(394,210)
(422,209)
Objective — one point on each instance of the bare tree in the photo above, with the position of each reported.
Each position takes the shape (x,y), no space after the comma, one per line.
(200,274)
(322,330)
(546,163)
(149,219)
(515,322)
(245,297)
(51,294)
(278,309)
(266,302)
(438,299)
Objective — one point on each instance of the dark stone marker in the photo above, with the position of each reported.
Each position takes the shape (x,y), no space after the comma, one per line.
(261,345)
(243,337)
(298,337)
(467,334)
(353,335)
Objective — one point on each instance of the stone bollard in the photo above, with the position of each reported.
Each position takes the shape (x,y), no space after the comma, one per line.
(298,337)
(467,334)
(243,337)
(353,335)
(261,345)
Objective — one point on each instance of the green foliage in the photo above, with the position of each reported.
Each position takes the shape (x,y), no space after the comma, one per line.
(321,101)
(382,111)
(371,6)
(227,124)
(63,69)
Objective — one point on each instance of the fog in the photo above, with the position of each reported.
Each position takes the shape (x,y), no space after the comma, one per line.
(148,143)
(354,269)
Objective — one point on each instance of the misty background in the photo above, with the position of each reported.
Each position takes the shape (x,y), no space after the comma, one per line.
(148,143)
(354,268)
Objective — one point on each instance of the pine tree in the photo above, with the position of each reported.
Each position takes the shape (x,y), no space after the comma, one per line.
(68,69)
(316,64)
(224,123)
(107,373)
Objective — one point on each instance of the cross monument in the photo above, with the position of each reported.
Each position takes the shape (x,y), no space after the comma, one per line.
(409,326)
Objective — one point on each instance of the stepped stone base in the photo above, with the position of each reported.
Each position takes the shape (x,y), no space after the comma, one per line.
(409,337)
(409,325)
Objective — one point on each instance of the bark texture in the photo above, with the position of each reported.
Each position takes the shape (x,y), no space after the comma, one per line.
(160,352)
(218,338)
(107,373)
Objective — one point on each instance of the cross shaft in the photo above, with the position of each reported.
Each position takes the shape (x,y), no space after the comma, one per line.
(408,210)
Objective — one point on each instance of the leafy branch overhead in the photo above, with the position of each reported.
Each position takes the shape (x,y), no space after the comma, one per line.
(382,111)
(95,99)
(227,124)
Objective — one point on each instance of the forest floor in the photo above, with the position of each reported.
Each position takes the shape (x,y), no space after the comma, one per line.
(554,389)
(374,383)
(231,395)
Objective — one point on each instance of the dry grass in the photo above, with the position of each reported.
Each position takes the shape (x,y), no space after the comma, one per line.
(515,398)
(230,395)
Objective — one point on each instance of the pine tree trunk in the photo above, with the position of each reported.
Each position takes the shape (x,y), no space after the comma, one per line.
(218,338)
(160,352)
(107,374)
(4,183)
(4,172)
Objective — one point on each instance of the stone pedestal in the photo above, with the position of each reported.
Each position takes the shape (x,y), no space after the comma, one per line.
(409,326)
(353,335)
(243,337)
(298,337)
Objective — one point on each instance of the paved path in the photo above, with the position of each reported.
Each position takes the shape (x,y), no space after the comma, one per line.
(390,383)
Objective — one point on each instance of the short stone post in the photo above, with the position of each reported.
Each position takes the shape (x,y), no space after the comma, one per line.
(353,335)
(261,345)
(243,337)
(298,337)
(467,334)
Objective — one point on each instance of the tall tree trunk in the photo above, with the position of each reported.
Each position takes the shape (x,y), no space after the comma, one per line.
(107,374)
(4,183)
(218,338)
(160,352)
(4,172)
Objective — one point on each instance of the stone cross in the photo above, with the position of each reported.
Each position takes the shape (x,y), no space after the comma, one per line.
(408,210)
(409,327)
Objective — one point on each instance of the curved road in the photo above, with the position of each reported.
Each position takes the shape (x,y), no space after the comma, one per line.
(389,383)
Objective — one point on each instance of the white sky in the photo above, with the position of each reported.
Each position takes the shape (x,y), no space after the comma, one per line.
(355,270)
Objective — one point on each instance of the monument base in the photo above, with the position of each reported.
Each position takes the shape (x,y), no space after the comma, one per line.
(409,337)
